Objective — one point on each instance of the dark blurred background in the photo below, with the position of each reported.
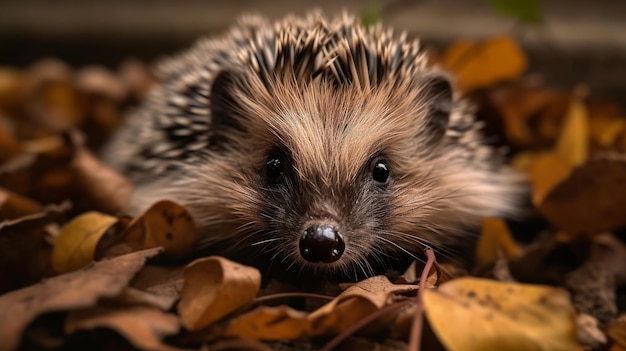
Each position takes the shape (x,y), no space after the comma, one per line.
(568,41)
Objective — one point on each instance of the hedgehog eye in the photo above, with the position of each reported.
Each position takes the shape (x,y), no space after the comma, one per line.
(274,169)
(380,171)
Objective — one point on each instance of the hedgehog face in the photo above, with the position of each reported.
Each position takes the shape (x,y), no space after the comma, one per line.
(322,176)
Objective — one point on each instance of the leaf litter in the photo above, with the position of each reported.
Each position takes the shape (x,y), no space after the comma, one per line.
(552,281)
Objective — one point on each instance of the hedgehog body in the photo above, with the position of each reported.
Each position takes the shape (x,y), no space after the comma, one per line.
(321,145)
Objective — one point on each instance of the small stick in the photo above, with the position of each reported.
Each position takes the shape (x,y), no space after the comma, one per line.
(418,318)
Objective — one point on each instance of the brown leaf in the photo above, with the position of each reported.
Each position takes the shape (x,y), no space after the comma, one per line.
(166,224)
(98,80)
(215,287)
(98,186)
(10,87)
(480,65)
(144,327)
(240,345)
(137,77)
(24,250)
(74,290)
(9,145)
(133,297)
(13,206)
(161,281)
(270,323)
(495,237)
(358,301)
(591,199)
(532,115)
(617,332)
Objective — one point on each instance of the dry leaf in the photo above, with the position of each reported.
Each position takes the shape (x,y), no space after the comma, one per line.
(160,281)
(481,65)
(270,323)
(547,170)
(97,186)
(617,332)
(478,314)
(74,290)
(215,287)
(495,237)
(134,297)
(573,143)
(144,327)
(240,345)
(166,224)
(10,147)
(76,245)
(24,250)
(358,301)
(591,199)
(13,205)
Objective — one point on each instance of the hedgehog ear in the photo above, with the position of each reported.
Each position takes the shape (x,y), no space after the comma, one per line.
(225,115)
(437,93)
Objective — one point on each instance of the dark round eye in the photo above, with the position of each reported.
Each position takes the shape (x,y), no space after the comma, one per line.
(380,173)
(274,168)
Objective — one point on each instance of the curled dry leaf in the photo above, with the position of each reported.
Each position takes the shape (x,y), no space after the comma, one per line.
(546,171)
(14,206)
(144,327)
(76,245)
(270,323)
(79,289)
(10,147)
(166,224)
(495,237)
(480,65)
(617,332)
(213,288)
(573,143)
(161,281)
(358,301)
(591,199)
(24,249)
(97,186)
(478,314)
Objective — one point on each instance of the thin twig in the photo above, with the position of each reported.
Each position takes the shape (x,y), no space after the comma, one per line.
(418,318)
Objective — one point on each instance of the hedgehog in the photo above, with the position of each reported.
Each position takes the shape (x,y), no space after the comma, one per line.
(316,145)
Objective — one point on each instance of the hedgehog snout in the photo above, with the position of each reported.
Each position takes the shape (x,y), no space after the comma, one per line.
(321,242)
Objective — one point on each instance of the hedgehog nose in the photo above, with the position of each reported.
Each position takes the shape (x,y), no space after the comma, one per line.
(321,243)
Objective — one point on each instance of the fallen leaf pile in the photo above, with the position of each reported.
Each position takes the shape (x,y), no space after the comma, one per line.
(76,272)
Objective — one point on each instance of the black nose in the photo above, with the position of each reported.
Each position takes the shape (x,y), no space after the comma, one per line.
(321,243)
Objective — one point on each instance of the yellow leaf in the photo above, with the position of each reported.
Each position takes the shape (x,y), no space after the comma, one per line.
(495,237)
(573,143)
(606,130)
(76,245)
(478,314)
(213,288)
(546,172)
(480,65)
